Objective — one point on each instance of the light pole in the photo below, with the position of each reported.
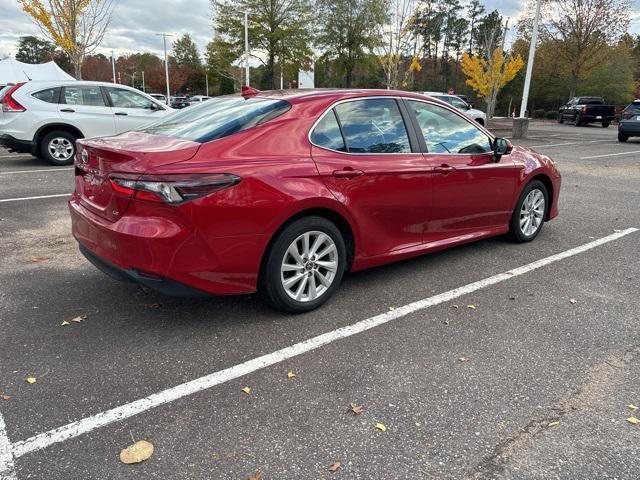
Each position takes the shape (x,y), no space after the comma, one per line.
(113,66)
(166,61)
(143,86)
(206,81)
(246,45)
(532,53)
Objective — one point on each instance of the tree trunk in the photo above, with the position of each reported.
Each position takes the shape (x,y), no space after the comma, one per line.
(77,66)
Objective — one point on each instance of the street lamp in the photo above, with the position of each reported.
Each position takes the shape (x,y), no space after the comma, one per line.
(113,66)
(532,53)
(166,61)
(246,45)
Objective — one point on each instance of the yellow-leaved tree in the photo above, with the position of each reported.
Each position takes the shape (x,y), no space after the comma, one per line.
(76,26)
(487,76)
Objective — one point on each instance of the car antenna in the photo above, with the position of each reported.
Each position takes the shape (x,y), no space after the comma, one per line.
(248,91)
(25,74)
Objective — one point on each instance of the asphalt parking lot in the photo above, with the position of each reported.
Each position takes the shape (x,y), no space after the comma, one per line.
(534,382)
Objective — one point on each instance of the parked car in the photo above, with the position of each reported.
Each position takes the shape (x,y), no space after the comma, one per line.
(158,96)
(282,192)
(180,102)
(629,122)
(466,99)
(198,99)
(585,110)
(46,118)
(457,102)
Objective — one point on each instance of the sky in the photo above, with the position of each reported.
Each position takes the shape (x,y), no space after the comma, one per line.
(136,24)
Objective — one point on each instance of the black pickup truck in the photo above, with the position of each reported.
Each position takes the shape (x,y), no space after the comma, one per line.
(584,110)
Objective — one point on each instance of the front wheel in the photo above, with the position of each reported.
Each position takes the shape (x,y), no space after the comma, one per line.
(531,210)
(622,138)
(560,118)
(578,121)
(58,147)
(304,265)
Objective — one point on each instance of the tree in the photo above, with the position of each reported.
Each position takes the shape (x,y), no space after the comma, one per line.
(219,57)
(487,76)
(582,30)
(76,26)
(396,39)
(488,34)
(35,50)
(282,29)
(185,54)
(349,31)
(474,10)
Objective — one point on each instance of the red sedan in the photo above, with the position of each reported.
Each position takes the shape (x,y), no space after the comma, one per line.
(282,192)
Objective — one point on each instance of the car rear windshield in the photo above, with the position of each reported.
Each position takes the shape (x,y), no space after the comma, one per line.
(591,100)
(218,118)
(633,107)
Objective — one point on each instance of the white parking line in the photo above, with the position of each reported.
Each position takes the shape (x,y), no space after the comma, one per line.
(16,155)
(7,465)
(566,144)
(4,200)
(610,155)
(64,169)
(72,430)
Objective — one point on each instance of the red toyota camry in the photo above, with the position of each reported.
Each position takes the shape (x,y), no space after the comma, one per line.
(282,192)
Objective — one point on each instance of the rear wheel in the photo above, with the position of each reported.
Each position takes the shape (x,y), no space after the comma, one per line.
(577,121)
(304,266)
(622,137)
(58,147)
(606,124)
(531,210)
(560,118)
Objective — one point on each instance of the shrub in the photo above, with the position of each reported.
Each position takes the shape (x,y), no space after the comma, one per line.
(552,115)
(539,113)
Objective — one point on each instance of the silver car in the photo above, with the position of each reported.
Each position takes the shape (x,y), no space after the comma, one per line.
(456,102)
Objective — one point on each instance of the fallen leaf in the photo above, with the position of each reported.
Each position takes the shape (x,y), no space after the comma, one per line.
(291,375)
(472,307)
(255,476)
(5,397)
(632,406)
(553,424)
(64,323)
(381,427)
(633,420)
(446,322)
(391,308)
(335,466)
(573,301)
(357,409)
(463,359)
(31,380)
(456,306)
(79,318)
(36,259)
(136,453)
(246,390)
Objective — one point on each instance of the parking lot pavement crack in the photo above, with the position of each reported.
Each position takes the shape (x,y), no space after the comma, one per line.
(600,381)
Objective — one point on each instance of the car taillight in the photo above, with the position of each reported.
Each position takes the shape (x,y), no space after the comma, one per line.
(9,104)
(584,109)
(172,188)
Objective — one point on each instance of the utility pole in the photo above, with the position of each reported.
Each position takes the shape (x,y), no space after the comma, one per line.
(206,81)
(532,54)
(166,62)
(143,86)
(113,66)
(246,45)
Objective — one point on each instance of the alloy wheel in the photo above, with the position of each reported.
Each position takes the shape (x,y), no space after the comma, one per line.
(60,148)
(532,212)
(309,266)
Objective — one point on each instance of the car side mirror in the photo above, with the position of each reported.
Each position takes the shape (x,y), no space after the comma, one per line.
(501,146)
(154,107)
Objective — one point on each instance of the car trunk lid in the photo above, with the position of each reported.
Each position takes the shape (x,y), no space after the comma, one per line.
(128,155)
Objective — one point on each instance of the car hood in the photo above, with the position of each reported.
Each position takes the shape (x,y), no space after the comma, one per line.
(476,113)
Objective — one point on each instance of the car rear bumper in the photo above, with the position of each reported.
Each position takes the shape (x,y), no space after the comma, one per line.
(629,128)
(16,145)
(167,254)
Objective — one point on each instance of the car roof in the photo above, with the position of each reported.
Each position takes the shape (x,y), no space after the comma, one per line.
(334,94)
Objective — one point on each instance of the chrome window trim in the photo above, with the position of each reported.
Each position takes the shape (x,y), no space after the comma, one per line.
(399,97)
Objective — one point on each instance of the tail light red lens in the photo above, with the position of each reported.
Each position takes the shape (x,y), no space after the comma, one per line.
(9,104)
(172,189)
(584,109)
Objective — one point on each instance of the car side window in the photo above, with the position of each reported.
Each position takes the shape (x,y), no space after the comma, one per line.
(88,96)
(327,133)
(447,132)
(50,95)
(121,98)
(459,103)
(373,125)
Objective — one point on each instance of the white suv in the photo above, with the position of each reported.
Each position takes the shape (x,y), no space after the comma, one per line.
(456,102)
(46,118)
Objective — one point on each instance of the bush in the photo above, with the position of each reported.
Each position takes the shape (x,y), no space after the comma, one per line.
(538,113)
(552,115)
(227,85)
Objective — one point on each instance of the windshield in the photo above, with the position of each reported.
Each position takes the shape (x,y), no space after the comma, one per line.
(218,118)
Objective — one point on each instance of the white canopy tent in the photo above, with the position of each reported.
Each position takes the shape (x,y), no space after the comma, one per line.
(12,71)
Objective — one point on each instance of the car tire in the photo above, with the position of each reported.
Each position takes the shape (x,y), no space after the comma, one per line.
(58,147)
(622,137)
(560,118)
(606,124)
(480,121)
(520,230)
(278,285)
(577,121)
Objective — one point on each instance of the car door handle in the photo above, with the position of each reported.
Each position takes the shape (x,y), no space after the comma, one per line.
(444,169)
(347,172)
(122,114)
(67,110)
